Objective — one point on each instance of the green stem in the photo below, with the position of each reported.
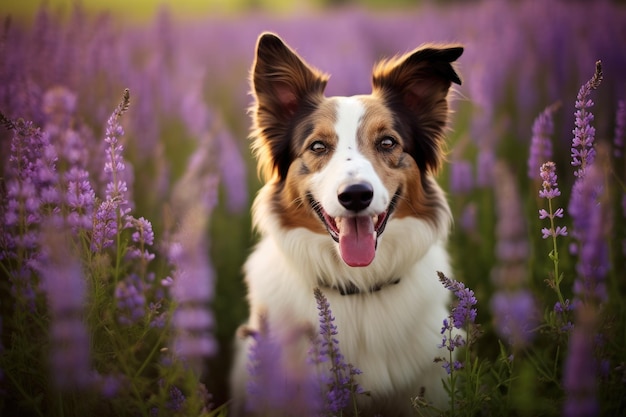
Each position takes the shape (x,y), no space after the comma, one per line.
(555,256)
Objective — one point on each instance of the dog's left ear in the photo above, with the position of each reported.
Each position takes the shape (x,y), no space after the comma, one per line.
(284,86)
(415,86)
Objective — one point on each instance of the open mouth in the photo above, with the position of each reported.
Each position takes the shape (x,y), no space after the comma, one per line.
(357,235)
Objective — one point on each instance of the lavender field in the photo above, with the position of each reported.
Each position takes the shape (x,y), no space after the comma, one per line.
(126,180)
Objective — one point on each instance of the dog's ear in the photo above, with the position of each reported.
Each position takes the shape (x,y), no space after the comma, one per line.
(284,86)
(415,86)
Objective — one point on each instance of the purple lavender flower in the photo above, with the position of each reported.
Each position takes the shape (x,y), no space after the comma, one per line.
(620,129)
(461,177)
(549,191)
(110,212)
(130,294)
(590,229)
(266,387)
(64,284)
(464,313)
(580,370)
(192,289)
(515,316)
(540,144)
(116,189)
(462,316)
(342,385)
(31,181)
(562,315)
(176,399)
(583,152)
(143,236)
(104,225)
(31,195)
(80,199)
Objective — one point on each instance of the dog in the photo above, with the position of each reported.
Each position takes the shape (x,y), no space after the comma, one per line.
(350,205)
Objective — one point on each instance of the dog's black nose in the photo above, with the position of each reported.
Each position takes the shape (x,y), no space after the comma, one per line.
(356,197)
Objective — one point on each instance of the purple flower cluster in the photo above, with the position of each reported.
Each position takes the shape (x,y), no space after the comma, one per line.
(540,144)
(131,300)
(64,284)
(583,152)
(580,369)
(550,191)
(464,313)
(80,199)
(192,290)
(31,193)
(515,316)
(341,383)
(590,227)
(267,387)
(462,316)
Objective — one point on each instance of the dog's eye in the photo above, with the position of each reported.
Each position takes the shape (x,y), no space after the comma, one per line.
(387,143)
(318,147)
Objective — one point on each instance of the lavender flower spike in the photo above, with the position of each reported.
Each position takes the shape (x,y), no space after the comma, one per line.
(549,191)
(590,223)
(342,385)
(64,284)
(464,313)
(579,376)
(462,316)
(540,145)
(583,152)
(116,189)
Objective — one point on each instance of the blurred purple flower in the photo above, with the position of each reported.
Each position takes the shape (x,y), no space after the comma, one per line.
(515,315)
(590,226)
(80,199)
(620,129)
(64,285)
(192,290)
(540,144)
(266,388)
(511,244)
(484,167)
(461,177)
(583,152)
(130,294)
(32,195)
(176,399)
(580,370)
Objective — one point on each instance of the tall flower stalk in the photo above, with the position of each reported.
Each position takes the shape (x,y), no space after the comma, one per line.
(540,144)
(549,192)
(462,317)
(342,386)
(583,152)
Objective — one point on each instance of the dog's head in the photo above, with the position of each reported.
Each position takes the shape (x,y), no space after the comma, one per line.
(346,165)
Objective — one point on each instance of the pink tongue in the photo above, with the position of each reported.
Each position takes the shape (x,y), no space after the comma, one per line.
(357,243)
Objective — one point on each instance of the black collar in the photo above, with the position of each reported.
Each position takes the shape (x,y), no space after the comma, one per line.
(352,289)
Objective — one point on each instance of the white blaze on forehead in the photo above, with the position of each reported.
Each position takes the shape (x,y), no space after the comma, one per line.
(350,112)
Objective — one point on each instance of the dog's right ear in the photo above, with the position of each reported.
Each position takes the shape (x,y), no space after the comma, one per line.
(283,85)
